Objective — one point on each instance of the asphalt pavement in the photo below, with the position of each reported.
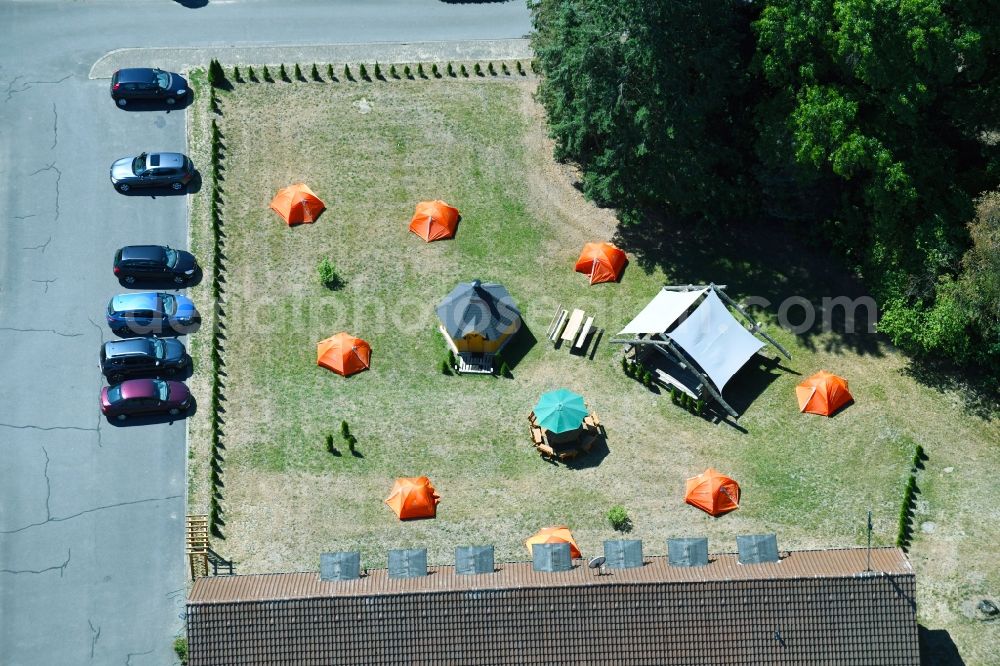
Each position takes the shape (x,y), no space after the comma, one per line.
(92,567)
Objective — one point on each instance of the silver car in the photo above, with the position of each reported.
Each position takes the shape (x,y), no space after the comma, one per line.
(172,170)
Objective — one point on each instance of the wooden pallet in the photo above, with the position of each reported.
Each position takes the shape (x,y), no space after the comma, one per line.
(197,545)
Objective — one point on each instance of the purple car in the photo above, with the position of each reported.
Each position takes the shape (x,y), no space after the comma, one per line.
(144,396)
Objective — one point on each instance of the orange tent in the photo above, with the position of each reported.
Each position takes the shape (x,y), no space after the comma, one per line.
(297,204)
(344,354)
(823,393)
(434,220)
(713,492)
(555,534)
(413,498)
(602,261)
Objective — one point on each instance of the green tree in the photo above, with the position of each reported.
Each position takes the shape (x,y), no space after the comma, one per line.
(646,97)
(875,112)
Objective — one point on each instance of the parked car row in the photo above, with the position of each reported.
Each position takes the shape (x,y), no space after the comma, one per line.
(139,367)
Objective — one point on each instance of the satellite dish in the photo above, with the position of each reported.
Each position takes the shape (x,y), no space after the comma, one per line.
(597,563)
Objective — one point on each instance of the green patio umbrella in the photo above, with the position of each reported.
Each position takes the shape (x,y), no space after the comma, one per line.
(560,410)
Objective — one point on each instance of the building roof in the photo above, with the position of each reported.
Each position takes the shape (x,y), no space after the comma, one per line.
(484,308)
(812,606)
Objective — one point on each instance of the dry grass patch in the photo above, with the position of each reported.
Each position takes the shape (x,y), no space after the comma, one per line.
(371,151)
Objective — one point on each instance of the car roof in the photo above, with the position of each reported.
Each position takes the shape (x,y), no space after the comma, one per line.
(138,388)
(130,347)
(166,159)
(144,252)
(136,75)
(136,300)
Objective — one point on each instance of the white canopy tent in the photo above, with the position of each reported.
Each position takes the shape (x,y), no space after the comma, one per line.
(715,340)
(661,312)
(709,337)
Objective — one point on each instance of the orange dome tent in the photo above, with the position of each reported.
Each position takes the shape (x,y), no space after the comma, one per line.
(555,534)
(603,262)
(823,393)
(297,204)
(344,354)
(712,492)
(434,220)
(413,498)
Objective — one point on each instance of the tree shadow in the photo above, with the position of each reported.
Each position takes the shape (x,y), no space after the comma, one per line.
(761,261)
(980,392)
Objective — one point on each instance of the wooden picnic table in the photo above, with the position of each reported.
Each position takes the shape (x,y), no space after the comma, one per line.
(573,326)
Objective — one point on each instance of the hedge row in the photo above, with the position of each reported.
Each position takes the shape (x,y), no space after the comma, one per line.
(905,531)
(216,80)
(363,73)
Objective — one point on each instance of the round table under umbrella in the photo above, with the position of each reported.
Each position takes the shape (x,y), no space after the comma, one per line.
(560,411)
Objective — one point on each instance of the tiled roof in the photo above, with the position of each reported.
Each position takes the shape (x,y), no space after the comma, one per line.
(813,607)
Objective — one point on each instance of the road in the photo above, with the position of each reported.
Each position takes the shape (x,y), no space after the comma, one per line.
(92,567)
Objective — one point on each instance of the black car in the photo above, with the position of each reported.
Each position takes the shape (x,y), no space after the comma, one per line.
(152,170)
(143,357)
(154,262)
(147,83)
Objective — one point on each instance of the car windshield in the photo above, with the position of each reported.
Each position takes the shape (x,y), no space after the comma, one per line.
(171,256)
(139,165)
(114,394)
(162,78)
(162,390)
(159,349)
(169,305)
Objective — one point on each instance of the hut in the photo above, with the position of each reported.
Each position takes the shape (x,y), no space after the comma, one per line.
(477,320)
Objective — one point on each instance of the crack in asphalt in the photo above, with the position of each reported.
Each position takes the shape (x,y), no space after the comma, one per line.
(93,641)
(24,217)
(55,127)
(51,167)
(11,91)
(41,247)
(46,428)
(128,657)
(100,382)
(48,485)
(60,567)
(40,330)
(46,283)
(93,510)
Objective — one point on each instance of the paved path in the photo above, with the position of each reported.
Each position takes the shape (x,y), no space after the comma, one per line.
(91,515)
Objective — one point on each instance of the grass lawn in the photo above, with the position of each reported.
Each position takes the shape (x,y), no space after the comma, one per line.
(371,151)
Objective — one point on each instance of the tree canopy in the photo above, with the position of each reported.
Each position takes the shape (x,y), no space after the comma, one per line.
(871,121)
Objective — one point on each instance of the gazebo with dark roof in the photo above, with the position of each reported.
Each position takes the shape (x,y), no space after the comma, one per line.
(477,320)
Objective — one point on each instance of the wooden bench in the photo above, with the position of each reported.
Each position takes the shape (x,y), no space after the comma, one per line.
(595,419)
(546,451)
(560,324)
(584,333)
(536,436)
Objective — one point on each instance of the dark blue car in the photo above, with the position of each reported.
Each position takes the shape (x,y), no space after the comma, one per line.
(152,313)
(147,83)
